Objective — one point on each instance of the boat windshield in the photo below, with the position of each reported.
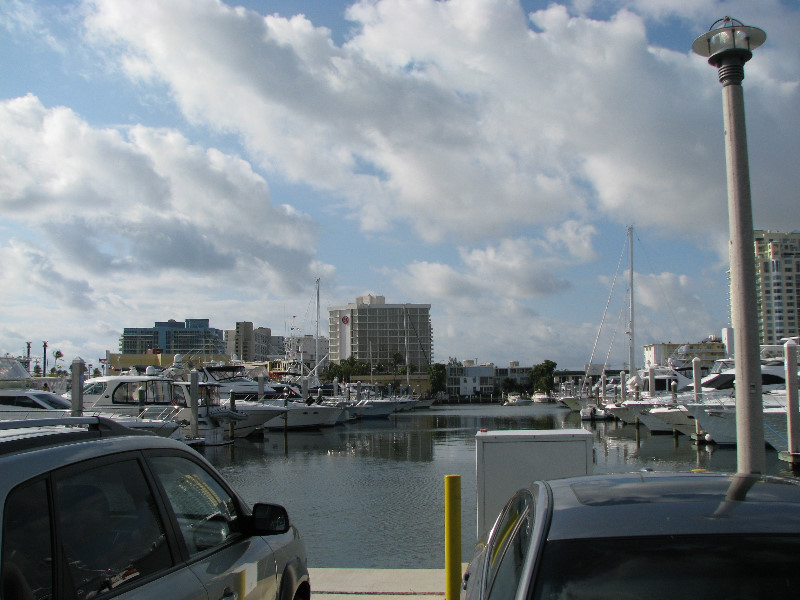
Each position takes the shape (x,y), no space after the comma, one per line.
(52,400)
(229,375)
(669,567)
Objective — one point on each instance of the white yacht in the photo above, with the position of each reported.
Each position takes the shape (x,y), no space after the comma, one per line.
(234,379)
(301,415)
(27,403)
(157,397)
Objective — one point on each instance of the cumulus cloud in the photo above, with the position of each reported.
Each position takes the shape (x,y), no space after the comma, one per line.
(515,138)
(143,202)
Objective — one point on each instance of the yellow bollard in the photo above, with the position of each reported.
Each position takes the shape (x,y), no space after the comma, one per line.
(452,536)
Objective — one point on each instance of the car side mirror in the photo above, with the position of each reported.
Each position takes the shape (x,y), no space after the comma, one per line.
(270,519)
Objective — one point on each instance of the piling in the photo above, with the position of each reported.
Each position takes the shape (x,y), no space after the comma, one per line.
(77,387)
(452,536)
(232,424)
(194,388)
(792,455)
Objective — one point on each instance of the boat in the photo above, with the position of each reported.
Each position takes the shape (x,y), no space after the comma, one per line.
(718,425)
(22,404)
(303,415)
(718,394)
(152,396)
(593,412)
(515,399)
(233,379)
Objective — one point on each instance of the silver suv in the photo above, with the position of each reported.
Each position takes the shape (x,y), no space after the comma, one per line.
(91,509)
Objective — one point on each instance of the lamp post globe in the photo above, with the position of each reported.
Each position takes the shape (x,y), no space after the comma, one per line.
(728,45)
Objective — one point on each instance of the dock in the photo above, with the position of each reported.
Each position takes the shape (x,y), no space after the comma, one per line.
(377,584)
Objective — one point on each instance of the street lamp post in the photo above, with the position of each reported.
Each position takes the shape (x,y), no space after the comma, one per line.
(728,45)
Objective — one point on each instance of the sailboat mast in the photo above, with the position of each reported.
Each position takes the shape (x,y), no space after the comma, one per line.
(405,326)
(631,346)
(316,336)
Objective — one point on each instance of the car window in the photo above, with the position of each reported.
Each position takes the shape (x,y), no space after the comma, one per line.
(738,567)
(27,555)
(508,547)
(110,531)
(205,512)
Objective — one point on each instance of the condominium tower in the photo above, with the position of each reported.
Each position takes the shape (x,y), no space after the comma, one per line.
(777,284)
(372,331)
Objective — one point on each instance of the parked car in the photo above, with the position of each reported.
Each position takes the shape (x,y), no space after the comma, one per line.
(92,509)
(643,535)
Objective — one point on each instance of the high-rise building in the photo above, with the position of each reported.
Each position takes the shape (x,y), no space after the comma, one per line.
(777,284)
(193,336)
(372,331)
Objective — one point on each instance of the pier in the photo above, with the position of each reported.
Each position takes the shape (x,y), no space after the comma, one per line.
(377,584)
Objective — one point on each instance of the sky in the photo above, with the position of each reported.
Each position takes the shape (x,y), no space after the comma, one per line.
(175,159)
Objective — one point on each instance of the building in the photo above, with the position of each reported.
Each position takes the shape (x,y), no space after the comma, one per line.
(777,258)
(372,331)
(253,344)
(470,381)
(191,337)
(257,345)
(521,376)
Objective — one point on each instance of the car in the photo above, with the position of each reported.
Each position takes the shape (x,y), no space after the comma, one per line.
(92,509)
(643,535)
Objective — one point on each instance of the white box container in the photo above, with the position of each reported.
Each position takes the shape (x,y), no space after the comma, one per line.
(509,460)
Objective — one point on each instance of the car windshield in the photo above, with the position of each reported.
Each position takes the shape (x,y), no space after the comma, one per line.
(669,567)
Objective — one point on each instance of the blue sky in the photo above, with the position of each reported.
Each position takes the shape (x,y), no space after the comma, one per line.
(194,158)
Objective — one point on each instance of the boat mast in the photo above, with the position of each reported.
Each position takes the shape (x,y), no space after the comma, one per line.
(631,345)
(405,326)
(316,335)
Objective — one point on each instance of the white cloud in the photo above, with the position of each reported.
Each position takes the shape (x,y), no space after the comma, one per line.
(517,139)
(98,215)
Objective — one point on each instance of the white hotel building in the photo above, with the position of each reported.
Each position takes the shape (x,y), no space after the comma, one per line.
(374,332)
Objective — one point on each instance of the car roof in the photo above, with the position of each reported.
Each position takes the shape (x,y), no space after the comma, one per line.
(648,503)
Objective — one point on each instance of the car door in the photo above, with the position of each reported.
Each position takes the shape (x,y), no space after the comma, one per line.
(112,537)
(229,563)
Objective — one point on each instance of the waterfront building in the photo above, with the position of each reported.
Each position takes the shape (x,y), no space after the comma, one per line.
(521,376)
(372,331)
(777,262)
(470,381)
(193,336)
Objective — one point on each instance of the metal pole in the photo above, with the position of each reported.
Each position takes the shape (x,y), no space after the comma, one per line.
(750,451)
(452,536)
(728,48)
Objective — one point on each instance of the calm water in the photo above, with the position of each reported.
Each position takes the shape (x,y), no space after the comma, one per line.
(371,494)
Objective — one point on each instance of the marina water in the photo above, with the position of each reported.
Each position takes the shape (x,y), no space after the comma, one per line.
(370,494)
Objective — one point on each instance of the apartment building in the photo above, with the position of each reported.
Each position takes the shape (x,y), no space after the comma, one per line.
(777,261)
